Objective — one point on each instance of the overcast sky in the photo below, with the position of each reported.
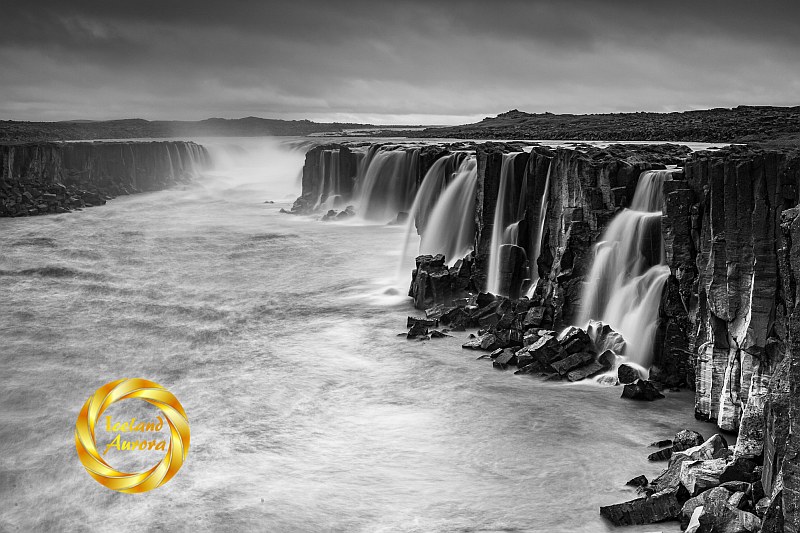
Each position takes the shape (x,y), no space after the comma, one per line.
(427,62)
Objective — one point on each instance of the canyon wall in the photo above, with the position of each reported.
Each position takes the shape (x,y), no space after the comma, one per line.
(728,322)
(39,178)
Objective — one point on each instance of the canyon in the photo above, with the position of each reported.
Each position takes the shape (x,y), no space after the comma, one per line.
(725,236)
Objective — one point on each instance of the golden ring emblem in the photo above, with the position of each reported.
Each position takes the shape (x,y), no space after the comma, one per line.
(156,395)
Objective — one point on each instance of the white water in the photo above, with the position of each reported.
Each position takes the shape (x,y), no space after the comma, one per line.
(450,230)
(307,412)
(389,184)
(628,274)
(504,229)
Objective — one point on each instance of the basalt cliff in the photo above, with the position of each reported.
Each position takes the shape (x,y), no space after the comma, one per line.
(719,250)
(42,178)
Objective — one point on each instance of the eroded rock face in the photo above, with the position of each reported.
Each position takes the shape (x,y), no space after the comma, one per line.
(42,178)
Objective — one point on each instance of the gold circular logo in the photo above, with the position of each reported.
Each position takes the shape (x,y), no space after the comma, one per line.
(152,393)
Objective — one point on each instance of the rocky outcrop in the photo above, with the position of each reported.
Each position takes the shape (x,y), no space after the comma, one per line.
(41,178)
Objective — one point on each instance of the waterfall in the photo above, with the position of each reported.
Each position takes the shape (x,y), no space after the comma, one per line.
(450,230)
(389,183)
(329,191)
(628,274)
(536,249)
(506,219)
(443,209)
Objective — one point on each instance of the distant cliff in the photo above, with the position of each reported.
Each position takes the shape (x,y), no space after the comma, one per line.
(41,178)
(15,131)
(773,125)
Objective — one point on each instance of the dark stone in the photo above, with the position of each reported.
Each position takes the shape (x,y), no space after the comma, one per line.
(417,330)
(412,321)
(661,443)
(660,455)
(627,374)
(686,439)
(656,508)
(573,361)
(584,372)
(506,358)
(638,481)
(739,470)
(641,390)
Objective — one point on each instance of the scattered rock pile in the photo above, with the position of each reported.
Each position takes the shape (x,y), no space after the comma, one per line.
(705,486)
(22,199)
(510,330)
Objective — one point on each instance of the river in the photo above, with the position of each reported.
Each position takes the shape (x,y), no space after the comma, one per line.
(279,336)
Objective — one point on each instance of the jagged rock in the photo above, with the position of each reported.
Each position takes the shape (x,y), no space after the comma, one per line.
(659,507)
(572,362)
(484,342)
(607,359)
(686,439)
(738,500)
(638,481)
(506,358)
(575,340)
(707,450)
(584,372)
(689,507)
(534,317)
(698,476)
(661,443)
(627,374)
(417,330)
(660,455)
(641,390)
(428,323)
(741,469)
(719,515)
(436,334)
(774,521)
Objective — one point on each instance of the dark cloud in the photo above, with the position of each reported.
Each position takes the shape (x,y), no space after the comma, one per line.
(412,61)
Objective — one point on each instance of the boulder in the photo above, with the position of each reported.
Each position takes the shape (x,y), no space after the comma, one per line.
(661,455)
(572,362)
(607,359)
(627,374)
(692,504)
(658,507)
(412,321)
(741,469)
(504,359)
(698,476)
(575,340)
(686,439)
(641,390)
(638,481)
(719,515)
(708,449)
(584,372)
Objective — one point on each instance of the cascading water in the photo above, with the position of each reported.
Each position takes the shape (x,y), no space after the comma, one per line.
(389,184)
(506,219)
(450,230)
(624,286)
(536,249)
(330,187)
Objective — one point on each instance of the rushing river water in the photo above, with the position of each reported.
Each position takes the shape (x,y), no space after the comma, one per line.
(307,411)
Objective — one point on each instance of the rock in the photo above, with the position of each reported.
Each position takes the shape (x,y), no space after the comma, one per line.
(607,359)
(689,507)
(507,357)
(573,361)
(648,510)
(738,500)
(428,323)
(661,443)
(719,515)
(417,330)
(670,479)
(686,439)
(627,374)
(707,450)
(584,372)
(660,455)
(484,342)
(641,390)
(741,469)
(638,481)
(534,317)
(698,476)
(436,334)
(575,340)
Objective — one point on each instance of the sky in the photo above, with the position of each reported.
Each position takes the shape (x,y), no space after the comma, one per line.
(398,62)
